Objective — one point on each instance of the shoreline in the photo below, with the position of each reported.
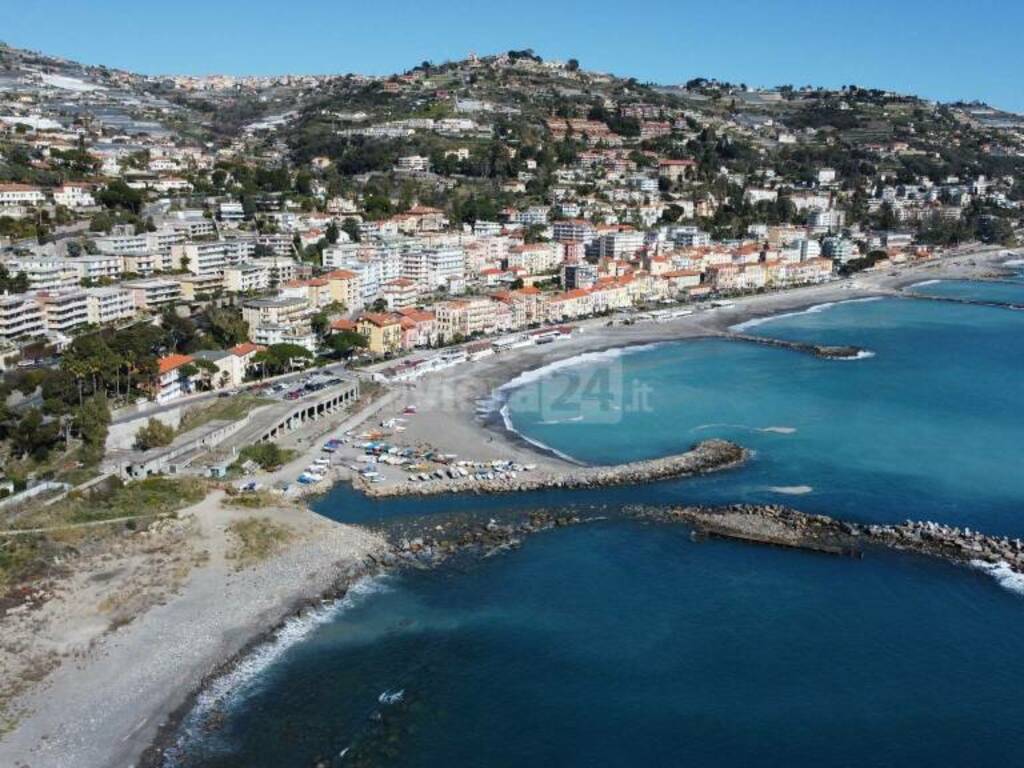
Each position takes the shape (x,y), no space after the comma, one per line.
(107,703)
(266,596)
(448,403)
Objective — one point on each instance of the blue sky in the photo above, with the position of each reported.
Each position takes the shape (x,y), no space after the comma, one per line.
(942,49)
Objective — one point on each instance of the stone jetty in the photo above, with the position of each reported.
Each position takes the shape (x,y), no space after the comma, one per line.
(434,541)
(829,352)
(782,526)
(707,456)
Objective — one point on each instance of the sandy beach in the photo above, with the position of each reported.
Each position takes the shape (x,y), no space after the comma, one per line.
(109,683)
(447,402)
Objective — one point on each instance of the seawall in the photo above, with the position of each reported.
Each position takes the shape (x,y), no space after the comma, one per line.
(707,456)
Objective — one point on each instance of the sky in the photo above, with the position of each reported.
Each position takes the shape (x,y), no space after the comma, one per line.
(939,49)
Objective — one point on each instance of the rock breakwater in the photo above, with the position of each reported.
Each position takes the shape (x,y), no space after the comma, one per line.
(826,351)
(707,456)
(782,526)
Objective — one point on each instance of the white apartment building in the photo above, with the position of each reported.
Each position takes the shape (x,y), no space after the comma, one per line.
(74,196)
(573,230)
(432,268)
(535,214)
(689,237)
(413,164)
(620,245)
(147,242)
(63,311)
(20,194)
(279,269)
(96,266)
(153,293)
(247,277)
(828,220)
(214,257)
(44,273)
(109,304)
(20,316)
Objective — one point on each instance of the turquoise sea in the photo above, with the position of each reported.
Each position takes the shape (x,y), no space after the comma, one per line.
(623,643)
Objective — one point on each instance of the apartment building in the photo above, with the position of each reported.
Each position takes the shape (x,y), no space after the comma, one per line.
(621,244)
(383,333)
(573,230)
(12,195)
(250,276)
(214,257)
(534,258)
(148,263)
(200,287)
(280,269)
(128,243)
(154,293)
(63,311)
(109,304)
(432,268)
(20,317)
(401,293)
(172,380)
(44,273)
(466,317)
(73,196)
(275,311)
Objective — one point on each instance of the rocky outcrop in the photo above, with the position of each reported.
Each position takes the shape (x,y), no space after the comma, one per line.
(707,456)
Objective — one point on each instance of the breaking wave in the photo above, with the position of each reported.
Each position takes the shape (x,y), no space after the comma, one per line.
(791,490)
(1004,575)
(242,678)
(813,310)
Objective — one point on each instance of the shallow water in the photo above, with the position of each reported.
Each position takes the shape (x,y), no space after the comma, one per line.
(624,643)
(1010,291)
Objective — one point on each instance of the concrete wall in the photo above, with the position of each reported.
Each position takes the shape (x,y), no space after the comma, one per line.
(122,435)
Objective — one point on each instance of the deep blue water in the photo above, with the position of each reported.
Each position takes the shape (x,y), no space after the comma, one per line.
(624,643)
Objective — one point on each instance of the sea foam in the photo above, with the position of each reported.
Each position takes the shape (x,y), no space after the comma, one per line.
(237,682)
(1004,575)
(791,490)
(813,310)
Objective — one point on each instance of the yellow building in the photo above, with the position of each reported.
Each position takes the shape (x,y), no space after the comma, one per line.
(383,333)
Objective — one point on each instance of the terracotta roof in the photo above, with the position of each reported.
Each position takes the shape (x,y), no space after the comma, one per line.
(170,362)
(245,348)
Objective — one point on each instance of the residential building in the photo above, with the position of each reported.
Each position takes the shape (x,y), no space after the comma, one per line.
(20,317)
(200,287)
(154,293)
(63,311)
(172,381)
(275,311)
(248,277)
(109,304)
(12,195)
(383,333)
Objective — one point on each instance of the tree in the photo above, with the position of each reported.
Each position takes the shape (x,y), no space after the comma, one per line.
(351,228)
(280,358)
(33,436)
(268,455)
(332,233)
(119,195)
(155,434)
(92,422)
(319,323)
(344,343)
